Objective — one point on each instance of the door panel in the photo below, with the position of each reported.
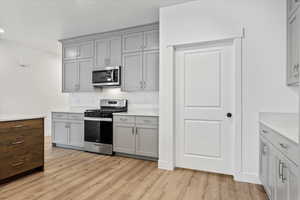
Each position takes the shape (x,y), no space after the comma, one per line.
(151,40)
(70,52)
(102,52)
(151,70)
(85,75)
(133,42)
(76,134)
(115,51)
(86,50)
(60,133)
(147,141)
(70,73)
(204,94)
(132,73)
(124,139)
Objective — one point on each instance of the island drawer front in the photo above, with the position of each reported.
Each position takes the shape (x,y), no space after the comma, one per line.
(60,115)
(16,164)
(17,142)
(16,126)
(147,120)
(284,145)
(124,119)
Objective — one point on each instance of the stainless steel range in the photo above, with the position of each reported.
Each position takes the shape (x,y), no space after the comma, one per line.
(98,126)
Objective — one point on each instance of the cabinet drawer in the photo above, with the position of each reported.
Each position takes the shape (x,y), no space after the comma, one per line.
(147,120)
(284,145)
(76,117)
(13,165)
(21,125)
(59,115)
(124,119)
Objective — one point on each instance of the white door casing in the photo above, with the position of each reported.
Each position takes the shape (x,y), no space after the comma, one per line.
(204,94)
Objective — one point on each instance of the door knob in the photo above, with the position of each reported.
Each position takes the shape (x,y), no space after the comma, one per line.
(228,115)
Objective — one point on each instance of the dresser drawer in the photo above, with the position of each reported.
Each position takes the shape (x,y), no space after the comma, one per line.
(16,126)
(124,119)
(147,120)
(12,165)
(284,145)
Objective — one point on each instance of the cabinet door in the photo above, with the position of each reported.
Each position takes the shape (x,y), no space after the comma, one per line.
(147,141)
(124,138)
(115,51)
(102,52)
(264,164)
(290,177)
(70,76)
(76,134)
(70,52)
(132,72)
(151,70)
(151,40)
(133,42)
(60,132)
(85,75)
(293,50)
(281,189)
(85,50)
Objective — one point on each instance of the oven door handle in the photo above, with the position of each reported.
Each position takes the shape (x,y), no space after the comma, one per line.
(98,119)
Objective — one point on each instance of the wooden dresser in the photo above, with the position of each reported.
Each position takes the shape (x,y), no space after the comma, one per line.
(21,147)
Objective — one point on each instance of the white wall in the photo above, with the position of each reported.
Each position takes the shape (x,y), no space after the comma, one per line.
(136,100)
(32,90)
(264,61)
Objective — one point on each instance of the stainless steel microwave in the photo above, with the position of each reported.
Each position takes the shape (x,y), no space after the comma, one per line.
(107,76)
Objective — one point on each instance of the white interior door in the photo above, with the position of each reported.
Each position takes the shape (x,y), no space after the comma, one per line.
(204,97)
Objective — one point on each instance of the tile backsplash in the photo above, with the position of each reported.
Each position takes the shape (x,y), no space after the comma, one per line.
(137,100)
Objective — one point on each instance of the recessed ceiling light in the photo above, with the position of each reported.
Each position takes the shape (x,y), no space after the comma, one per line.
(2,31)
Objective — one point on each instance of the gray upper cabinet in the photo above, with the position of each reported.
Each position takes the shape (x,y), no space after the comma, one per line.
(77,75)
(70,76)
(108,52)
(85,68)
(78,50)
(133,42)
(132,72)
(151,70)
(293,53)
(151,40)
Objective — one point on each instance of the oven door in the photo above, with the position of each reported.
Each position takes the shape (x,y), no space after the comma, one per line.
(98,130)
(109,76)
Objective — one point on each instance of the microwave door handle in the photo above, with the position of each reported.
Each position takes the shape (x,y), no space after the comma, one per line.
(112,76)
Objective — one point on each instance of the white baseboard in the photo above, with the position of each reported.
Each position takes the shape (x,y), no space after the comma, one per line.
(247,177)
(165,165)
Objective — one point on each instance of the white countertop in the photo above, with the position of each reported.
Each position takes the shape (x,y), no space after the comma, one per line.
(140,112)
(5,118)
(286,124)
(79,110)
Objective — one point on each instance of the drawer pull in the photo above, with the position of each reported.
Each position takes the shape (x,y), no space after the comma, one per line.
(16,164)
(264,131)
(18,126)
(284,146)
(18,142)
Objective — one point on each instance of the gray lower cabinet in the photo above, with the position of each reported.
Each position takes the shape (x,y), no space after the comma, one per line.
(77,75)
(68,130)
(136,135)
(108,52)
(279,173)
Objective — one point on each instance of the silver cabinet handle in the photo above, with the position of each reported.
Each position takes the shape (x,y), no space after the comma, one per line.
(132,130)
(279,169)
(283,179)
(264,131)
(136,130)
(18,126)
(284,146)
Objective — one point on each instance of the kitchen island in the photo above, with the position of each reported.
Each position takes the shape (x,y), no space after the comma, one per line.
(21,145)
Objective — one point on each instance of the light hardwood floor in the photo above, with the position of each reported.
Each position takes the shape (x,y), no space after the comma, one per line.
(71,174)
